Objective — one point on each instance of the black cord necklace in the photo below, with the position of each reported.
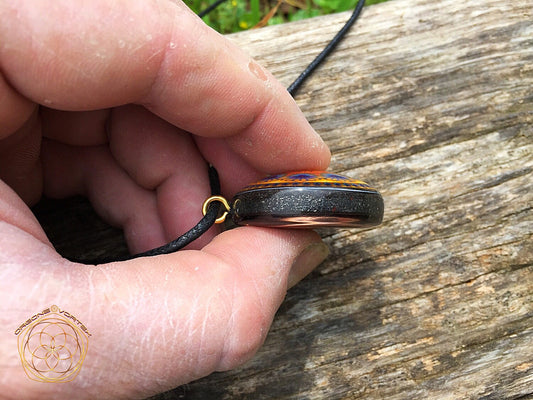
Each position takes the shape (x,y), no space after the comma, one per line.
(301,199)
(293,87)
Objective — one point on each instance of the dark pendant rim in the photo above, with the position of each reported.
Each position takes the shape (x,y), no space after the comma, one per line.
(308,206)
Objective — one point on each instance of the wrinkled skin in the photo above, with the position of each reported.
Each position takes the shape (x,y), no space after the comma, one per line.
(125,102)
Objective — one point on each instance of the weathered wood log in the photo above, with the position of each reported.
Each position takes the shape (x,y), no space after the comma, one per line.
(432,102)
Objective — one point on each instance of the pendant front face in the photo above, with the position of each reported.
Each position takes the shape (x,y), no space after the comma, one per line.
(308,199)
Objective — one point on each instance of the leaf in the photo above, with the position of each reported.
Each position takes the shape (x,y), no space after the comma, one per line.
(270,14)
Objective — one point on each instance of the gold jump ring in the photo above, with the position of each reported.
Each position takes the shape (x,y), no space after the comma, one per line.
(220,199)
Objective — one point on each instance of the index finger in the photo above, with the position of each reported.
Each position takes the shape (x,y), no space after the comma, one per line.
(159,54)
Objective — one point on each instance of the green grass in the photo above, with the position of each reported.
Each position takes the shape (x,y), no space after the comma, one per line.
(239,15)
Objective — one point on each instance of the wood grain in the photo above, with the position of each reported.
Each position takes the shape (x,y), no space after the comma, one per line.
(431,102)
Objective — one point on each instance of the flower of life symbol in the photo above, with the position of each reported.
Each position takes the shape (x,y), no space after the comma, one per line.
(52,348)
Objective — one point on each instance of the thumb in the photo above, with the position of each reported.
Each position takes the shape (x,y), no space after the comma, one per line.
(207,310)
(155,322)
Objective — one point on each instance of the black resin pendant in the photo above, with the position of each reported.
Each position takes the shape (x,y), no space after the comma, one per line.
(307,199)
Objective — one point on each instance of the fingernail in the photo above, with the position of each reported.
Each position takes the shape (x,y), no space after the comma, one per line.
(307,260)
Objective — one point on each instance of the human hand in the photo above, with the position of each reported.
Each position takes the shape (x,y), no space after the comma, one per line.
(98,99)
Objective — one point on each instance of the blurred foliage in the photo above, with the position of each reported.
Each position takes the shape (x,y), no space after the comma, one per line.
(239,15)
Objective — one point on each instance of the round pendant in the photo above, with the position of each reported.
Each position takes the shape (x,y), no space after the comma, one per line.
(308,199)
